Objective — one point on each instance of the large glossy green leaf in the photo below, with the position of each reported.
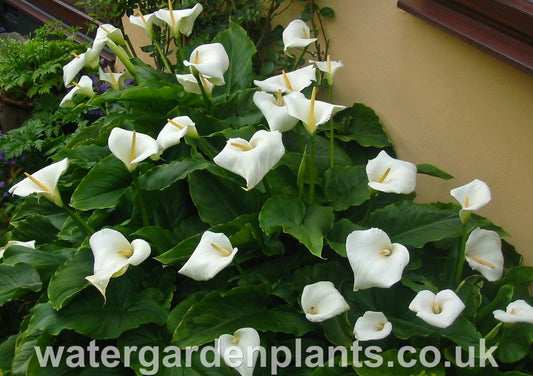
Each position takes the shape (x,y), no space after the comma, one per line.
(360,123)
(69,278)
(34,227)
(307,225)
(515,342)
(336,237)
(87,314)
(218,314)
(415,225)
(103,186)
(391,363)
(16,280)
(161,177)
(240,50)
(44,262)
(346,186)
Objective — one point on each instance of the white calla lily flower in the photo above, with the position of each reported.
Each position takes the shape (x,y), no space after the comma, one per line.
(390,175)
(311,112)
(146,21)
(108,32)
(90,59)
(438,310)
(83,87)
(275,111)
(483,253)
(42,182)
(297,34)
(287,82)
(131,147)
(252,159)
(189,83)
(113,254)
(115,79)
(322,301)
(28,244)
(471,196)
(328,67)
(211,61)
(174,130)
(371,326)
(181,21)
(517,311)
(375,261)
(212,254)
(240,350)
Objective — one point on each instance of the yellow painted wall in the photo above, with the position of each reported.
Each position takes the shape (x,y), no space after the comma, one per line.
(443,102)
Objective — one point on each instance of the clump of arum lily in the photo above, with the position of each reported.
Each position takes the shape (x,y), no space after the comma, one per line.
(131,147)
(275,111)
(439,310)
(517,311)
(240,350)
(296,80)
(372,326)
(28,244)
(113,254)
(322,301)
(252,159)
(84,87)
(375,260)
(213,253)
(483,253)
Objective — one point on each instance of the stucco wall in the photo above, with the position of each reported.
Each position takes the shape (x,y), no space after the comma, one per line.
(443,102)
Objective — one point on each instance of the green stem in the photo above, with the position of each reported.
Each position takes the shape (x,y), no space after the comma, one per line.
(312,169)
(207,100)
(140,201)
(123,58)
(75,216)
(204,147)
(461,257)
(163,57)
(371,203)
(300,58)
(331,133)
(180,53)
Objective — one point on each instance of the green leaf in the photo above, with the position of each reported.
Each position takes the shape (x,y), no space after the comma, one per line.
(515,342)
(163,176)
(361,124)
(44,262)
(346,186)
(69,278)
(290,214)
(470,293)
(431,170)
(103,186)
(34,227)
(388,364)
(327,12)
(16,280)
(338,330)
(240,50)
(218,314)
(336,238)
(463,333)
(415,225)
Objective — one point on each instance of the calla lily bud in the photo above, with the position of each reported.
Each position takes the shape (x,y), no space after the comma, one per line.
(275,111)
(252,159)
(212,254)
(240,350)
(209,60)
(372,326)
(113,254)
(471,196)
(483,252)
(375,261)
(517,311)
(390,175)
(438,310)
(297,34)
(287,82)
(322,301)
(131,147)
(43,182)
(29,244)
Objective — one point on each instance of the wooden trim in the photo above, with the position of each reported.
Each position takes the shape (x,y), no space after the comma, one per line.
(474,30)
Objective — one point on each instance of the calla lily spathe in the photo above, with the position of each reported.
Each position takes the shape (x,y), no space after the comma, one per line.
(390,175)
(131,147)
(90,59)
(43,182)
(240,350)
(484,253)
(275,111)
(113,254)
(517,311)
(328,67)
(29,244)
(115,79)
(252,159)
(189,83)
(83,87)
(146,21)
(471,196)
(212,254)
(371,326)
(108,32)
(438,310)
(209,60)
(181,21)
(297,34)
(321,301)
(375,261)
(174,130)
(287,82)
(311,112)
